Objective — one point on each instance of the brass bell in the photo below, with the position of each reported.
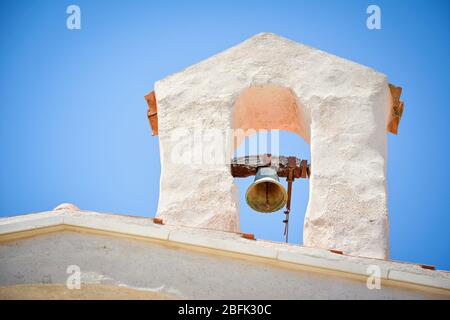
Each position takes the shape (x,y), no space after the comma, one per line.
(266,193)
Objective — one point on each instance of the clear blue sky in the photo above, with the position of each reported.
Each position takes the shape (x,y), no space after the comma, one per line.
(73,124)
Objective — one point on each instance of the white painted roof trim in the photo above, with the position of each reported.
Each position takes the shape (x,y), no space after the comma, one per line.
(230,242)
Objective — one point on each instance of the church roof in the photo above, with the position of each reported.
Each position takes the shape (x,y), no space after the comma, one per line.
(218,242)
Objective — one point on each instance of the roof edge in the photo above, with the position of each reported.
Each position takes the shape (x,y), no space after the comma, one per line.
(397,273)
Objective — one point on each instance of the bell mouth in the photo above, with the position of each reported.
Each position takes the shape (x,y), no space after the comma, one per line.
(266,195)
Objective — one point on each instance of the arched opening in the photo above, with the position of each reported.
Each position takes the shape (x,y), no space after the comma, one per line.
(269,108)
(268,120)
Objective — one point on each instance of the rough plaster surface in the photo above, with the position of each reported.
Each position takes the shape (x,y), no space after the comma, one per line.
(170,271)
(223,242)
(344,107)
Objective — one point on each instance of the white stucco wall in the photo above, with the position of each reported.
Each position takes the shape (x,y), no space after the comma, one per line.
(345,108)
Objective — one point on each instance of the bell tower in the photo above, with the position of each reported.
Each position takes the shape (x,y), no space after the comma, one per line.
(342,109)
